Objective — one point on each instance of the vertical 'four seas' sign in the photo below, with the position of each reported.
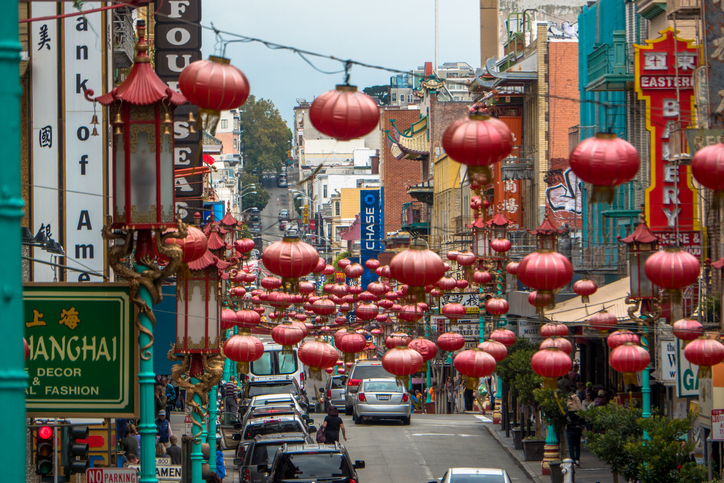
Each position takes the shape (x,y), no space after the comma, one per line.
(664,81)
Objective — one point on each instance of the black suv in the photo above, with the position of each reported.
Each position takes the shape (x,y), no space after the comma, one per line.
(308,463)
(261,451)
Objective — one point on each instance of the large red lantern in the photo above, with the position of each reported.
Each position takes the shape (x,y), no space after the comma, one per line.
(453,311)
(512,268)
(546,272)
(672,269)
(367,311)
(551,364)
(451,342)
(504,336)
(497,307)
(687,329)
(708,167)
(247,319)
(354,270)
(287,335)
(554,329)
(474,364)
(417,266)
(214,85)
(318,355)
(621,337)
(350,343)
(245,245)
(605,161)
(426,348)
(629,359)
(344,113)
(228,318)
(324,307)
(193,246)
(397,339)
(557,343)
(402,362)
(411,313)
(585,288)
(482,278)
(243,349)
(466,259)
(704,352)
(290,259)
(495,349)
(603,321)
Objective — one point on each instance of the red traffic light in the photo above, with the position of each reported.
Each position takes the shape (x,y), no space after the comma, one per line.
(45,432)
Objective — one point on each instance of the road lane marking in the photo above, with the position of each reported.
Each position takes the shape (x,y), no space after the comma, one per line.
(446,434)
(417,452)
(484,419)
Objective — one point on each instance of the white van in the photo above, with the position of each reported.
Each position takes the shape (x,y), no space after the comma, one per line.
(275,365)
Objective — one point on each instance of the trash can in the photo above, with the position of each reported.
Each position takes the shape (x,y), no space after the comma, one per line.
(430,408)
(556,471)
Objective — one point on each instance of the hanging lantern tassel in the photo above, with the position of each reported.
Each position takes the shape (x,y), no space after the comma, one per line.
(550,383)
(404,380)
(472,382)
(424,367)
(349,357)
(632,379)
(287,350)
(704,372)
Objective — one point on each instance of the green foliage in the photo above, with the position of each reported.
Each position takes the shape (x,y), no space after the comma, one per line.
(266,136)
(614,426)
(335,264)
(658,458)
(552,409)
(380,92)
(516,372)
(258,200)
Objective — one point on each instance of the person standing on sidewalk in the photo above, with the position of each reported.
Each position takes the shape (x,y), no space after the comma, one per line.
(450,391)
(230,402)
(574,428)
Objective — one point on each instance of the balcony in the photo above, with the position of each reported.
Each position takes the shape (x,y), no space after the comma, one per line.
(607,66)
(123,50)
(415,217)
(462,225)
(683,9)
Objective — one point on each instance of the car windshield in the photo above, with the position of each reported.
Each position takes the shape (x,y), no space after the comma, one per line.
(337,382)
(312,465)
(382,386)
(369,372)
(264,453)
(280,388)
(268,427)
(477,478)
(274,363)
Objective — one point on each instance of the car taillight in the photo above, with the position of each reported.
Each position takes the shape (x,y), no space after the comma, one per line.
(361,397)
(301,376)
(247,475)
(329,394)
(354,382)
(405,397)
(352,480)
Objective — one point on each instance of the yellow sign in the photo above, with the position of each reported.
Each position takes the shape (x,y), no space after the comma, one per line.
(305,215)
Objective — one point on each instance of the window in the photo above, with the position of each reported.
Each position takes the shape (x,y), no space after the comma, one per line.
(337,210)
(224,124)
(234,143)
(324,190)
(394,97)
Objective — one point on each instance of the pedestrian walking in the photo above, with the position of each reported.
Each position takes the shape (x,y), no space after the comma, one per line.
(159,398)
(129,443)
(170,396)
(332,425)
(574,376)
(574,428)
(220,467)
(450,393)
(231,406)
(174,451)
(163,429)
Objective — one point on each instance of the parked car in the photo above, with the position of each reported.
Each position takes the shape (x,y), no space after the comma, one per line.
(334,392)
(283,215)
(381,399)
(265,386)
(361,370)
(306,463)
(283,225)
(261,451)
(281,423)
(474,475)
(276,400)
(282,181)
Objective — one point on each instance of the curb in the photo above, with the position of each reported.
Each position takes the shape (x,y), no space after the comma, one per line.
(534,477)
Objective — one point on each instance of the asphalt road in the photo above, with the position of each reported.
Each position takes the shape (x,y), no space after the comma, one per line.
(278,199)
(425,449)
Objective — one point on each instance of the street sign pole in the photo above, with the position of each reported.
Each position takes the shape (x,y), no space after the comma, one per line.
(146,380)
(13,379)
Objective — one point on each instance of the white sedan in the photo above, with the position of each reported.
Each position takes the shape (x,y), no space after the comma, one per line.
(381,398)
(474,475)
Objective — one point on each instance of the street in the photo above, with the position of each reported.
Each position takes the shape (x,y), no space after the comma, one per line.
(270,214)
(420,452)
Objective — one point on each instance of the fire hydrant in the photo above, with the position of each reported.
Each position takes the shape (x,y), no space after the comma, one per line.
(568,470)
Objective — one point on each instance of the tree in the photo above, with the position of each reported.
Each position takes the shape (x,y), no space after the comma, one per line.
(266,137)
(614,426)
(258,200)
(379,92)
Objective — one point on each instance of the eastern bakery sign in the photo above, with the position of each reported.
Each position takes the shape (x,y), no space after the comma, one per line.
(664,69)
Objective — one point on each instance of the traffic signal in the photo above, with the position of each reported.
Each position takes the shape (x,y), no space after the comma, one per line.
(44,450)
(75,454)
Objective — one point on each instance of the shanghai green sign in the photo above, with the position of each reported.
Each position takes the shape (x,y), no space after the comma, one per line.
(82,359)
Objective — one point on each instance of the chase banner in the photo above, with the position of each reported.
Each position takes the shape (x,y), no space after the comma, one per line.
(371,229)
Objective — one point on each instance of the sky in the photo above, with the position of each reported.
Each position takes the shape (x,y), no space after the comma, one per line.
(398,34)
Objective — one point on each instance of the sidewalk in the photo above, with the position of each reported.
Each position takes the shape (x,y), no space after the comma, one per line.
(591,470)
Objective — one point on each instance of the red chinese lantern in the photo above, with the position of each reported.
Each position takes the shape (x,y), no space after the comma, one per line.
(270,283)
(246,319)
(551,364)
(500,245)
(245,245)
(447,283)
(554,329)
(397,339)
(512,268)
(328,270)
(605,161)
(557,343)
(287,335)
(453,311)
(436,292)
(546,272)
(426,348)
(372,264)
(228,318)
(708,167)
(585,288)
(385,304)
(344,113)
(305,287)
(620,337)
(474,364)
(504,336)
(324,307)
(450,342)
(376,288)
(318,355)
(497,307)
(462,284)
(452,255)
(321,265)
(243,349)
(629,359)
(603,321)
(341,320)
(402,362)
(290,259)
(343,263)
(354,270)
(410,313)
(417,266)
(193,246)
(687,329)
(350,343)
(466,259)
(482,278)
(367,311)
(672,269)
(704,352)
(495,349)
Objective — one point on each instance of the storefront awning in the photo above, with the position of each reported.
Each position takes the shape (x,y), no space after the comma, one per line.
(610,297)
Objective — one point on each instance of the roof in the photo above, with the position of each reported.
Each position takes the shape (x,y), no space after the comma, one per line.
(611,297)
(481,471)
(642,234)
(304,448)
(280,437)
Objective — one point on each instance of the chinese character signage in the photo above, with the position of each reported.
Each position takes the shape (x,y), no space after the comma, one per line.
(507,192)
(82,358)
(471,301)
(664,69)
(713,17)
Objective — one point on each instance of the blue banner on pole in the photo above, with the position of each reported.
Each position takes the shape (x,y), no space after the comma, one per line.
(371,229)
